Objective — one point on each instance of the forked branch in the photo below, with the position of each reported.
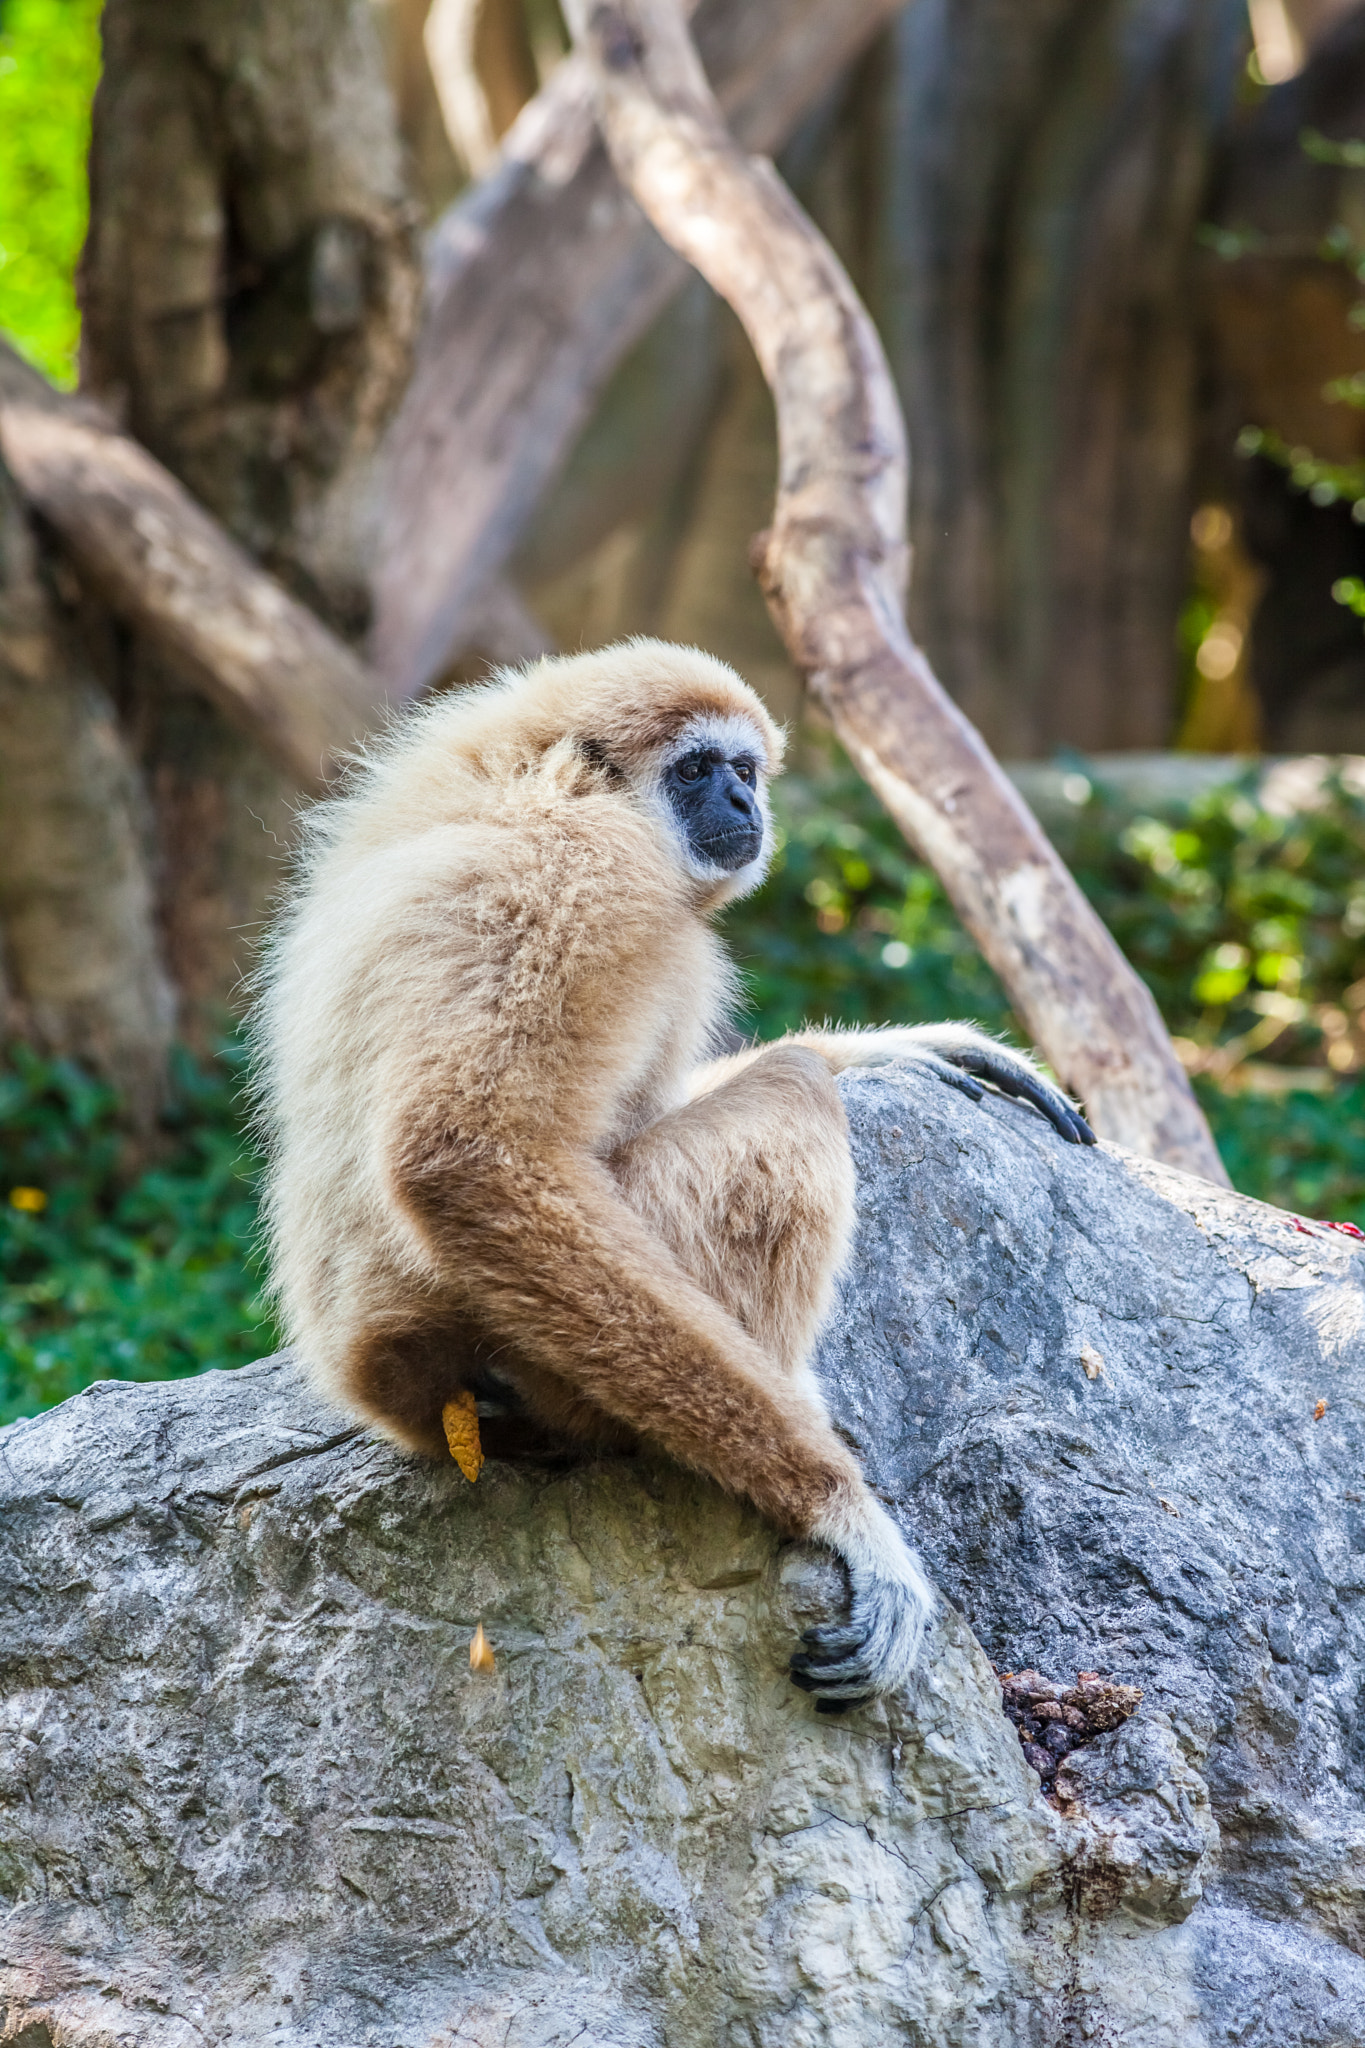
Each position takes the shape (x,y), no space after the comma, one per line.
(834,565)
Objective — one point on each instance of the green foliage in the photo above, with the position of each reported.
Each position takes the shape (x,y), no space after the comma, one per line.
(107,1276)
(1325,482)
(1349,155)
(1302,1152)
(1237,919)
(849,926)
(49,64)
(1241,921)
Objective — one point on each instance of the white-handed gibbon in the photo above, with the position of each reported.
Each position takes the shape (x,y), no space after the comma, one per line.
(495,1133)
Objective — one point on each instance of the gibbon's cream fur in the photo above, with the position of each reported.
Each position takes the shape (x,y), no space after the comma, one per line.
(496,1139)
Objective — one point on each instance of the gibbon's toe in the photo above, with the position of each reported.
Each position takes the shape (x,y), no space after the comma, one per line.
(1012,1075)
(951,1076)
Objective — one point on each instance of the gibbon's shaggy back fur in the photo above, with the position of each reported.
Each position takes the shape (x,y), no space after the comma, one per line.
(493,1137)
(483,888)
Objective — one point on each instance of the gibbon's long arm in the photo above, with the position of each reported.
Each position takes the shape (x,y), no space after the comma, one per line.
(555,1264)
(957,1054)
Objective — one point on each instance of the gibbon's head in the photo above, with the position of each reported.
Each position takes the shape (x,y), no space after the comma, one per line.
(694,741)
(676,726)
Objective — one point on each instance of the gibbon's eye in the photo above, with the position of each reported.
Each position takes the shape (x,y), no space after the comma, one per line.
(745,770)
(691,768)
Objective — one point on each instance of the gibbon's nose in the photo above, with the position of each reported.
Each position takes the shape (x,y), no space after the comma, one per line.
(741,796)
(731,831)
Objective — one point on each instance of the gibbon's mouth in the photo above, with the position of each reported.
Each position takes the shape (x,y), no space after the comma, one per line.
(731,850)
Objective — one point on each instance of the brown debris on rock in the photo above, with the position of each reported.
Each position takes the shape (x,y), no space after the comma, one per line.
(1053,1719)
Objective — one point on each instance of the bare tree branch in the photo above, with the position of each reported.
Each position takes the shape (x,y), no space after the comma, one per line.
(834,566)
(538,281)
(166,566)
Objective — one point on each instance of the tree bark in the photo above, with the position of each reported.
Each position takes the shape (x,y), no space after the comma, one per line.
(1278,333)
(166,568)
(538,282)
(249,289)
(81,967)
(834,568)
(1038,171)
(483,70)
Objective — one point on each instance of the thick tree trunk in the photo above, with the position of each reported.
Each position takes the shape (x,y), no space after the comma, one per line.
(1015,188)
(1279,334)
(166,568)
(81,969)
(249,288)
(1040,170)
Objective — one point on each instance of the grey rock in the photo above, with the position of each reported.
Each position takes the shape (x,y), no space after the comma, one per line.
(251,1791)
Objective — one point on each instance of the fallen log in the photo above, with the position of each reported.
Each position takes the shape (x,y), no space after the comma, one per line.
(834,569)
(249,1782)
(538,282)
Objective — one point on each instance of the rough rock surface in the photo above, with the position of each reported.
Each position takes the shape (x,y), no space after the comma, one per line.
(250,1788)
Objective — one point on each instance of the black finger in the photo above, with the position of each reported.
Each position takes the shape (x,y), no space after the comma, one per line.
(821,1677)
(835,1682)
(841,1706)
(831,1636)
(827,1688)
(954,1077)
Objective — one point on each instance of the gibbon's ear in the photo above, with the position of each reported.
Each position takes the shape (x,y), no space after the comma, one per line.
(596,756)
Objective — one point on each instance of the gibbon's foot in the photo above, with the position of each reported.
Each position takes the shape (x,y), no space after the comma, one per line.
(875,1648)
(1012,1075)
(958,1063)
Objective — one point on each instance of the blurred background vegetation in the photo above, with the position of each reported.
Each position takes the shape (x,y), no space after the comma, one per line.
(1240,901)
(1247,923)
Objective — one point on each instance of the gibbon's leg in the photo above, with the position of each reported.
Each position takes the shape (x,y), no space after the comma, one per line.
(411,1362)
(751,1188)
(558,1266)
(957,1054)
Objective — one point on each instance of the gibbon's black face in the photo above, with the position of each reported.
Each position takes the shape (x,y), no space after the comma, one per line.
(714,795)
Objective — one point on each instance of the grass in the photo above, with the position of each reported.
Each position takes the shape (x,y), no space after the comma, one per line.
(1249,928)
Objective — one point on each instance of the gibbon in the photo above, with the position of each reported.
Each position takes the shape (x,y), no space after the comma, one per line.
(495,1133)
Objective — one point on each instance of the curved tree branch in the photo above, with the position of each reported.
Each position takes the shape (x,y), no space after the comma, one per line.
(165,566)
(538,281)
(834,567)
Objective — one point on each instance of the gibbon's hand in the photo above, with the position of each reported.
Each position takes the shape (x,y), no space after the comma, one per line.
(875,1649)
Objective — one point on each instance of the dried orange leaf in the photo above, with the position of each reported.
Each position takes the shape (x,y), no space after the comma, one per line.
(461,1419)
(1319,1411)
(481,1652)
